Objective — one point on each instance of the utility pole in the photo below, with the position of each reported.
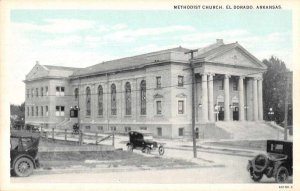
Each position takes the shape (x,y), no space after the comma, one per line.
(286,104)
(193,100)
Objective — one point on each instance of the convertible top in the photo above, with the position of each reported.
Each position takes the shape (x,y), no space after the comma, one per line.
(24,134)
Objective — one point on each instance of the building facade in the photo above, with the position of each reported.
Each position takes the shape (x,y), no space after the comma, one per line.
(151,91)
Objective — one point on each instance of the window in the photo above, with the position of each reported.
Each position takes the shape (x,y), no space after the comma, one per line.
(180,81)
(46,90)
(100,100)
(46,110)
(113,100)
(127,129)
(76,92)
(88,101)
(32,92)
(221,85)
(113,128)
(36,111)
(143,128)
(159,131)
(27,111)
(143,97)
(27,93)
(158,82)
(37,92)
(88,128)
(60,91)
(32,111)
(180,132)
(180,107)
(60,111)
(42,91)
(42,111)
(128,98)
(100,128)
(235,85)
(158,107)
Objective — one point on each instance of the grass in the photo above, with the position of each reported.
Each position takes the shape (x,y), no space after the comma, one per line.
(244,144)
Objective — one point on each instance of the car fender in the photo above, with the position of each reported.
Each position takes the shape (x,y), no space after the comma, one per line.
(277,164)
(26,156)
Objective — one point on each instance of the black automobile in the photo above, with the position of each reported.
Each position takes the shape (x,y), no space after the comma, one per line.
(143,140)
(23,152)
(277,163)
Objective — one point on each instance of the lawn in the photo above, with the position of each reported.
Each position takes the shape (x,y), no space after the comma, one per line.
(242,144)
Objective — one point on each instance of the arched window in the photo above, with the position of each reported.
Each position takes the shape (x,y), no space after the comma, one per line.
(100,100)
(113,100)
(128,98)
(143,97)
(76,93)
(88,101)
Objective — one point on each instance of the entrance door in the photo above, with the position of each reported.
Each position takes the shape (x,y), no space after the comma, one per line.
(235,113)
(159,131)
(221,111)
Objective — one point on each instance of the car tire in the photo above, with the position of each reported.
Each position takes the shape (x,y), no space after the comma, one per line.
(129,148)
(23,167)
(259,158)
(282,174)
(256,176)
(161,150)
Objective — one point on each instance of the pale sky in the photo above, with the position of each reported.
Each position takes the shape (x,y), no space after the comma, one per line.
(81,38)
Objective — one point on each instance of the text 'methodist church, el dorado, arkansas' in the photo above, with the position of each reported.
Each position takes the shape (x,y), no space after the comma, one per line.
(151,91)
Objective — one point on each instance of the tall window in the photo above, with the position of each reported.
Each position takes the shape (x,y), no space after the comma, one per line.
(180,107)
(180,132)
(46,110)
(180,81)
(113,100)
(60,111)
(27,111)
(42,91)
(32,92)
(42,111)
(158,82)
(100,100)
(46,90)
(221,85)
(27,93)
(235,85)
(32,111)
(88,101)
(128,98)
(60,91)
(37,92)
(158,107)
(36,111)
(143,97)
(76,92)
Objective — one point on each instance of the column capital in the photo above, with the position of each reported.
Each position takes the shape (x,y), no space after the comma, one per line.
(204,74)
(211,74)
(242,77)
(227,75)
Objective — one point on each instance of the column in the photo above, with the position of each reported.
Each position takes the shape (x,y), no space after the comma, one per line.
(204,99)
(241,99)
(226,98)
(211,98)
(255,102)
(260,100)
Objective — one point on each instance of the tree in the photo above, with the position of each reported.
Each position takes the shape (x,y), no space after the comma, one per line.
(274,88)
(17,115)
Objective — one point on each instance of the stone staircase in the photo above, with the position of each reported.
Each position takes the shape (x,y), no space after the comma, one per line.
(250,130)
(67,123)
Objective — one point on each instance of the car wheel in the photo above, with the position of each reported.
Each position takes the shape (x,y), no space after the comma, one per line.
(161,150)
(281,175)
(129,148)
(260,163)
(255,176)
(23,167)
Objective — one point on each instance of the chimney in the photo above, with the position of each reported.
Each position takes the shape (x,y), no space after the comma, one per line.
(220,41)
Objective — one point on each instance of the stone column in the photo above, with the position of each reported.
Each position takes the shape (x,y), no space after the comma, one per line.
(204,99)
(241,99)
(255,102)
(226,98)
(260,100)
(211,98)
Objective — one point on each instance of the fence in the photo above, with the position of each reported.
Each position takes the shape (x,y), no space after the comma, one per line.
(80,137)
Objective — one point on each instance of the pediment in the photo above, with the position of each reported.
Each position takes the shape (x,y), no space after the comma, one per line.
(181,95)
(158,96)
(37,71)
(237,56)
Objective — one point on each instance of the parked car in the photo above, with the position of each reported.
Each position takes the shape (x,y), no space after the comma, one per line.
(23,152)
(277,163)
(143,140)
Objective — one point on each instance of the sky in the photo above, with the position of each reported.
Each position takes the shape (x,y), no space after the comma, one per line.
(81,38)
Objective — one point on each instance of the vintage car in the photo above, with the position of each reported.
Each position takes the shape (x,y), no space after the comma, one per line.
(143,140)
(23,152)
(277,162)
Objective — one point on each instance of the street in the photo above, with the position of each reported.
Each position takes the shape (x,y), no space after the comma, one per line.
(224,168)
